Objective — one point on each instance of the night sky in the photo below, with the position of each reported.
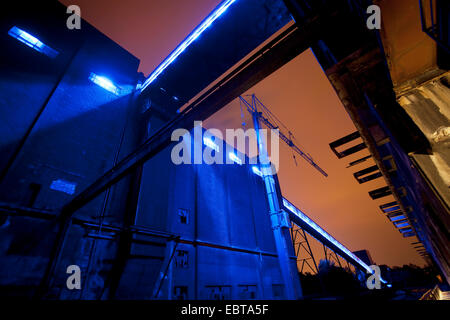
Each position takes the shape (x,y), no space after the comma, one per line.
(300,95)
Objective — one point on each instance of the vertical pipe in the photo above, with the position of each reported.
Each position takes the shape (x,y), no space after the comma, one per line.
(195,233)
(289,276)
(262,292)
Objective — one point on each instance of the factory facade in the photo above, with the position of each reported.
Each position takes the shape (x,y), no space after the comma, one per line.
(70,112)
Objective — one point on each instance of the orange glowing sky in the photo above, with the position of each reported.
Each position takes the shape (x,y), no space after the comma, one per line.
(301,96)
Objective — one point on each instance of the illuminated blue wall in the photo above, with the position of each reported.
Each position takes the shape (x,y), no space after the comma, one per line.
(61,127)
(58,132)
(228,216)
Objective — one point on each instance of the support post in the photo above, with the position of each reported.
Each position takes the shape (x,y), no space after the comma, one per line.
(279,218)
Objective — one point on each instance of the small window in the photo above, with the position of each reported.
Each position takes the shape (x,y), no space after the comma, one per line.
(4,221)
(278,291)
(183,216)
(218,292)
(180,293)
(247,292)
(63,186)
(32,42)
(34,190)
(181,259)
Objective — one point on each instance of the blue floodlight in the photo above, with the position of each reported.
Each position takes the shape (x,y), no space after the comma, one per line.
(32,41)
(181,47)
(210,143)
(256,170)
(105,83)
(234,157)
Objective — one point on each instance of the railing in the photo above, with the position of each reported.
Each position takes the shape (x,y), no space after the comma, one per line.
(434,18)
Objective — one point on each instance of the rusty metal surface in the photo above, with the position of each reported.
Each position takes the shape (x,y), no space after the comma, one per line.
(409,51)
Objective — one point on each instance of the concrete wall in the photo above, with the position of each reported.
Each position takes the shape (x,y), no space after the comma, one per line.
(226,249)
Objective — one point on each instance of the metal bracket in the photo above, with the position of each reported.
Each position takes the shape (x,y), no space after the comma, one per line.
(280,219)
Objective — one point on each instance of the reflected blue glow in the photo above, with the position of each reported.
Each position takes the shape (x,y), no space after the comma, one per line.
(32,41)
(194,35)
(105,83)
(234,157)
(405,230)
(394,208)
(389,285)
(396,218)
(209,143)
(402,224)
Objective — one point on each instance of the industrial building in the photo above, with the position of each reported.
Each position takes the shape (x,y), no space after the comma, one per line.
(86,176)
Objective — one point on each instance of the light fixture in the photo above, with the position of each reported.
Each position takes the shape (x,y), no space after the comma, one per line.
(182,46)
(256,171)
(105,83)
(32,41)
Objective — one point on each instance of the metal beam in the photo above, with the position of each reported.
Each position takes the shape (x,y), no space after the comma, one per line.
(380,193)
(362,175)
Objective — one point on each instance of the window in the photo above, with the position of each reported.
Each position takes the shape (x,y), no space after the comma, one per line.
(63,186)
(32,42)
(180,293)
(278,291)
(4,221)
(183,216)
(218,292)
(247,292)
(34,190)
(181,259)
